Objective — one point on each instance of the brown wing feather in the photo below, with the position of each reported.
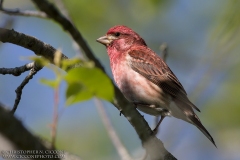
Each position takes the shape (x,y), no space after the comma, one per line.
(152,67)
(156,70)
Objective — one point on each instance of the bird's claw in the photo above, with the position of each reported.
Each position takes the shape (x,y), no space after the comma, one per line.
(155,131)
(120,112)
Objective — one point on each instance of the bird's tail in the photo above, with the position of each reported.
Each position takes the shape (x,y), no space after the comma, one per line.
(195,120)
(191,117)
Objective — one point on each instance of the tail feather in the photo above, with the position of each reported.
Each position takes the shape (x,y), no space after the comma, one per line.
(184,99)
(195,120)
(193,106)
(187,109)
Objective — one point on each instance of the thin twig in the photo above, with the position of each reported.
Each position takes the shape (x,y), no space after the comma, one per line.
(17,71)
(156,120)
(19,89)
(62,8)
(122,151)
(55,116)
(22,13)
(64,11)
(164,50)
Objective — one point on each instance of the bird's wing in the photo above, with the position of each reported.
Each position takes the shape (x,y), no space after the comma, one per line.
(152,67)
(156,70)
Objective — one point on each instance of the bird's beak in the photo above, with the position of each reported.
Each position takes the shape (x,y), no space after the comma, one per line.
(106,40)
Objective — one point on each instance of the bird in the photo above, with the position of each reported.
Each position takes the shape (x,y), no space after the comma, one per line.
(146,80)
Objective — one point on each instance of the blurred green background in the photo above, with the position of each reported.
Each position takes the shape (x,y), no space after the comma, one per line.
(203,39)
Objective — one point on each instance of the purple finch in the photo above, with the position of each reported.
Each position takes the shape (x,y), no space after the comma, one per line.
(146,80)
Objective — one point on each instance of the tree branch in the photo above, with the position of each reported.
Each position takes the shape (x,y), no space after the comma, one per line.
(66,24)
(23,140)
(19,89)
(17,71)
(22,13)
(12,129)
(122,151)
(38,47)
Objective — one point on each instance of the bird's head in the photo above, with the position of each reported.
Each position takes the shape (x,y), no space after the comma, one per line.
(121,38)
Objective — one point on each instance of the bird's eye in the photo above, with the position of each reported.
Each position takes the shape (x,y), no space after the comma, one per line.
(117,34)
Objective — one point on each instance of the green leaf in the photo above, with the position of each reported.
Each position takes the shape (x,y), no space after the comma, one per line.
(76,63)
(76,92)
(51,83)
(70,62)
(73,89)
(84,83)
(39,60)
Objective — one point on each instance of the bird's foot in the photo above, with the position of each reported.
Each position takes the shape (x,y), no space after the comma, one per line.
(135,104)
(120,112)
(155,130)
